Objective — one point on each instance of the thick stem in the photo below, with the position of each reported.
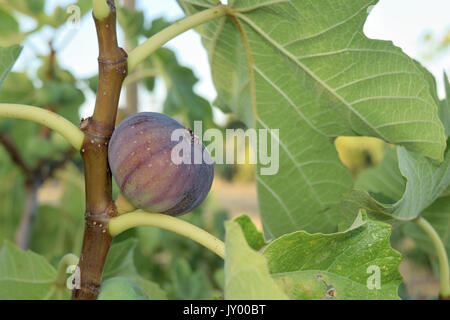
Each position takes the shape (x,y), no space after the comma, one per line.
(158,40)
(23,234)
(47,118)
(442,256)
(98,129)
(130,220)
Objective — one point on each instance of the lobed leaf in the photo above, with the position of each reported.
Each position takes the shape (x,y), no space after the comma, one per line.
(425,182)
(339,265)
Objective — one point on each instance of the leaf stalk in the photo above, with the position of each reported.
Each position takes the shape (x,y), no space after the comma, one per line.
(47,118)
(155,42)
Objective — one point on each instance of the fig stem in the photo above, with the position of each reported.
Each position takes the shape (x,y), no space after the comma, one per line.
(47,118)
(101,9)
(144,50)
(442,256)
(134,219)
(123,205)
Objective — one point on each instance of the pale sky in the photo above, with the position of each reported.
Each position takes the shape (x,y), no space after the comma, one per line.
(402,21)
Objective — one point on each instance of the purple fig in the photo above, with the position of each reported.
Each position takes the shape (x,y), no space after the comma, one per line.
(145,163)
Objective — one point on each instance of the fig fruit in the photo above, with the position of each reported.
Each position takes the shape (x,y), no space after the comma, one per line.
(141,158)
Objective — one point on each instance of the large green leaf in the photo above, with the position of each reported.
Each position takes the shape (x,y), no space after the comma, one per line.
(24,274)
(8,55)
(306,68)
(246,273)
(339,265)
(120,263)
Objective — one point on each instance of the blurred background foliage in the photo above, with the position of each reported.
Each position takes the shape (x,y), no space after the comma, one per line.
(42,188)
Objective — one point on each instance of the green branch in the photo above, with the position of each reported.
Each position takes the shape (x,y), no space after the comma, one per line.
(441,253)
(158,40)
(47,118)
(101,9)
(135,219)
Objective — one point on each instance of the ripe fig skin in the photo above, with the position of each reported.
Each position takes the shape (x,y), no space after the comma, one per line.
(140,158)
